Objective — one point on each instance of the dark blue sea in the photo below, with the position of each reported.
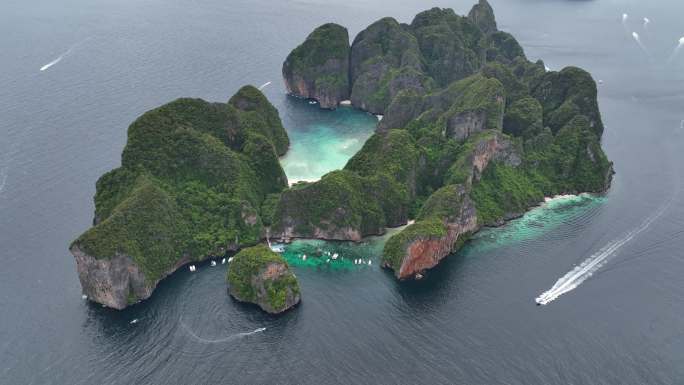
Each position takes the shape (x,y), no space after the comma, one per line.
(613,264)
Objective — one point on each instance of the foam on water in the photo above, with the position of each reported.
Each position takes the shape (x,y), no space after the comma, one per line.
(676,50)
(625,17)
(312,253)
(62,56)
(593,263)
(641,45)
(536,222)
(217,340)
(50,64)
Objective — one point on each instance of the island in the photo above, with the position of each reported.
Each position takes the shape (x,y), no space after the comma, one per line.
(260,276)
(473,134)
(195,182)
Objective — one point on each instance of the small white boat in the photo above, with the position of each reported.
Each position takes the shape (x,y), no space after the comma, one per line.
(84,296)
(304,257)
(223,261)
(135,321)
(192,267)
(327,260)
(369,263)
(230,259)
(334,256)
(213,263)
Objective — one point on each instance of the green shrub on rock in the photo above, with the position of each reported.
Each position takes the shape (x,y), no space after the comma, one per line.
(261,276)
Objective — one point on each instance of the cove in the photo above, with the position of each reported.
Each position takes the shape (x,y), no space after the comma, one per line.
(322,140)
(534,224)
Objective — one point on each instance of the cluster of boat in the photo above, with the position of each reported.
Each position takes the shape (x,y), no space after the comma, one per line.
(213,263)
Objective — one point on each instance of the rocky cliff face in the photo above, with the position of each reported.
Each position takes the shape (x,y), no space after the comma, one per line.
(193,179)
(116,282)
(387,57)
(341,206)
(462,107)
(482,15)
(109,281)
(425,252)
(449,216)
(258,275)
(319,67)
(461,126)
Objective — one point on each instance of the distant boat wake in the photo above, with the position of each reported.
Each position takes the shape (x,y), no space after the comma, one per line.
(219,340)
(50,64)
(264,85)
(62,56)
(586,269)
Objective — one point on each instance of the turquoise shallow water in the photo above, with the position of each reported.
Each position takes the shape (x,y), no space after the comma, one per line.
(541,220)
(472,320)
(320,254)
(323,141)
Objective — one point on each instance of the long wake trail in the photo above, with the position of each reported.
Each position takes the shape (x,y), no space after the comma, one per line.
(62,56)
(589,266)
(218,340)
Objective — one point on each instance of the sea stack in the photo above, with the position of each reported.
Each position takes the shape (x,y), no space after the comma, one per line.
(260,276)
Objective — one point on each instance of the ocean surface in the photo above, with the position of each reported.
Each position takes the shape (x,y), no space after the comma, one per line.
(75,73)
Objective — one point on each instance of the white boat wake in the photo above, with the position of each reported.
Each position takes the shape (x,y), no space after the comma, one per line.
(264,85)
(219,340)
(50,64)
(62,56)
(586,269)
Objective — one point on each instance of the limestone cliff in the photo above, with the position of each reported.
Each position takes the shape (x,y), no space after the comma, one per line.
(319,67)
(436,49)
(258,275)
(463,106)
(482,15)
(449,216)
(446,221)
(193,179)
(374,191)
(385,59)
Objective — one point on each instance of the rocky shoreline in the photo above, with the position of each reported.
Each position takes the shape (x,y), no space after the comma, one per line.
(472,135)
